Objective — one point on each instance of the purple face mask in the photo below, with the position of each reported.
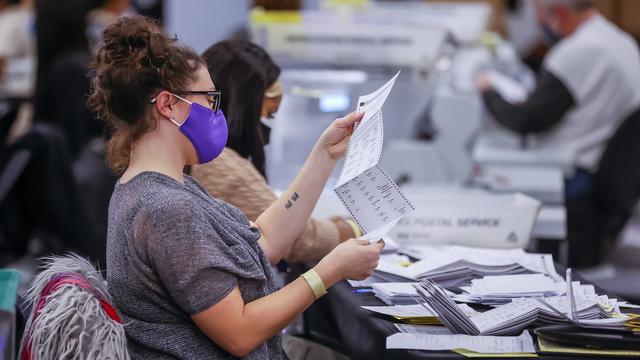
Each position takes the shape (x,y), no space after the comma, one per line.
(206,129)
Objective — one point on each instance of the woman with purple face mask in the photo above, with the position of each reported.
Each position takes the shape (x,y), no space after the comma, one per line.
(249,78)
(190,276)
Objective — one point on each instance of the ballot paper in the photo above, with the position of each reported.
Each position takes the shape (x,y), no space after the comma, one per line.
(403,311)
(624,304)
(423,329)
(397,293)
(415,311)
(511,318)
(373,200)
(510,89)
(479,344)
(455,266)
(501,289)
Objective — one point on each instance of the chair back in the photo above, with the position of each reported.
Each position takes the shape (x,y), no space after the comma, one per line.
(617,181)
(71,315)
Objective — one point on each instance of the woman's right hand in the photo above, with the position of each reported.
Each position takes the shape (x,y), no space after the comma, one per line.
(351,260)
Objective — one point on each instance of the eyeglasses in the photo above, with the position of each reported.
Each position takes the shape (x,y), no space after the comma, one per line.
(214,97)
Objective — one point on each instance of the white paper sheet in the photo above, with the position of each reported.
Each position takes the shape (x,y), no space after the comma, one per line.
(627,305)
(520,284)
(423,329)
(480,344)
(415,311)
(504,314)
(511,90)
(439,256)
(371,197)
(366,283)
(365,145)
(374,200)
(403,311)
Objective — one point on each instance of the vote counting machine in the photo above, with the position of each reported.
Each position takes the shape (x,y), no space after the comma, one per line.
(332,55)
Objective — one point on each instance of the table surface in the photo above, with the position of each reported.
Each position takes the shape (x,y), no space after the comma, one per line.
(363,334)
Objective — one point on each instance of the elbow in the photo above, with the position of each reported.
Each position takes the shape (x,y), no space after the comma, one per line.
(239,351)
(239,346)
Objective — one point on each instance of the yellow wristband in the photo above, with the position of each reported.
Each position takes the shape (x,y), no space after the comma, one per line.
(356,229)
(316,284)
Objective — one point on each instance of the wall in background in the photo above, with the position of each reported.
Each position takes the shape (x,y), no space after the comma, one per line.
(201,23)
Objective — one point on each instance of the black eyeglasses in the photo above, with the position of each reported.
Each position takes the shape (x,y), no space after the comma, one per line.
(213,95)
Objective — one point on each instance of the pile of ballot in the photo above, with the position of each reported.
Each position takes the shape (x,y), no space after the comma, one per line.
(520,313)
(397,293)
(499,290)
(455,266)
(467,345)
(417,314)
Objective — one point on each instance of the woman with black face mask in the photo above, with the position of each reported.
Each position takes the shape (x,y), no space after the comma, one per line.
(248,77)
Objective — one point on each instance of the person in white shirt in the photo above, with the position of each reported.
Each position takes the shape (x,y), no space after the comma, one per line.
(589,83)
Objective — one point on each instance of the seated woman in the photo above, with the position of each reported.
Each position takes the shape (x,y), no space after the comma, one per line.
(248,77)
(190,276)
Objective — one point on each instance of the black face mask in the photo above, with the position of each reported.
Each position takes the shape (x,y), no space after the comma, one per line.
(265,127)
(550,35)
(266,133)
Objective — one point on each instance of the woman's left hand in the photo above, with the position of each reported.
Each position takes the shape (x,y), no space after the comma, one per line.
(336,137)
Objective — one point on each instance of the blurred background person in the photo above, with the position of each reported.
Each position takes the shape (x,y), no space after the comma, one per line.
(49,201)
(587,85)
(98,19)
(248,78)
(63,65)
(17,47)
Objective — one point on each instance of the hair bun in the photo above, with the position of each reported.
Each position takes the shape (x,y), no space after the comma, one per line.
(132,40)
(140,39)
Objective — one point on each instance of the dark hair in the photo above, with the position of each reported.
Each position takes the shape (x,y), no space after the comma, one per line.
(135,61)
(243,72)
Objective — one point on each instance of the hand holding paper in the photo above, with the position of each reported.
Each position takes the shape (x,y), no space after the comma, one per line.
(372,198)
(336,137)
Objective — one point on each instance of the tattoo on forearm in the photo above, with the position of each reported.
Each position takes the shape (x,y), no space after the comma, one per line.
(290,202)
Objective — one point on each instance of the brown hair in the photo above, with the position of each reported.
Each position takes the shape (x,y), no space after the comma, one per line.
(135,61)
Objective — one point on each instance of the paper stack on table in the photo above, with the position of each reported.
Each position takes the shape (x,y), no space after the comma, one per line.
(501,289)
(455,266)
(479,344)
(423,329)
(416,314)
(511,318)
(397,293)
(373,200)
